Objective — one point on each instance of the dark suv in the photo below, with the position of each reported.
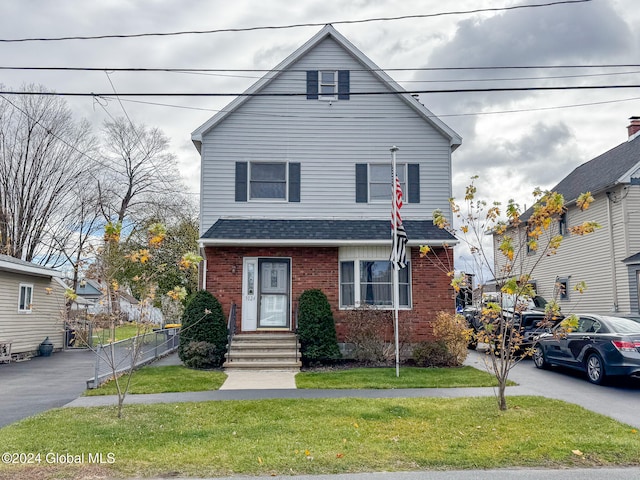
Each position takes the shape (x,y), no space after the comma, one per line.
(530,323)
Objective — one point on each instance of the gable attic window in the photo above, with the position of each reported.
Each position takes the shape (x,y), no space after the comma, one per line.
(328,85)
(267,181)
(25,298)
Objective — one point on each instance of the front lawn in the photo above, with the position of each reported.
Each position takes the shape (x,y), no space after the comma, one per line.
(410,377)
(298,436)
(172,378)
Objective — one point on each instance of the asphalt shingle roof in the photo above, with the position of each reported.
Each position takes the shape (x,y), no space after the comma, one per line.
(601,172)
(322,230)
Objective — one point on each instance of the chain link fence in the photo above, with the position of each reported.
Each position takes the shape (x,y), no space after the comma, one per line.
(118,357)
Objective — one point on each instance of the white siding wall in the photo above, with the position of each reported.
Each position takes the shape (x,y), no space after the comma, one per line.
(28,330)
(328,140)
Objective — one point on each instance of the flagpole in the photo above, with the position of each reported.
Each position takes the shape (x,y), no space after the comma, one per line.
(395,269)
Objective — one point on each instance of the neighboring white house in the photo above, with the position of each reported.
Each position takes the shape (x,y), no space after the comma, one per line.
(94,302)
(31,306)
(608,261)
(296,191)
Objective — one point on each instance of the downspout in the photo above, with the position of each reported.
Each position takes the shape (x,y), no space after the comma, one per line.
(612,255)
(202,268)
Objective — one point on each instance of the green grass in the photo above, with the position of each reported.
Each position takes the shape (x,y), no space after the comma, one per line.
(122,332)
(296,436)
(386,378)
(173,378)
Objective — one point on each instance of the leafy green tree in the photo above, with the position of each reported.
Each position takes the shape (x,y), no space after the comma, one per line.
(203,321)
(316,328)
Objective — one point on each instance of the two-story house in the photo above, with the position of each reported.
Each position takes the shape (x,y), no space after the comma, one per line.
(296,191)
(608,260)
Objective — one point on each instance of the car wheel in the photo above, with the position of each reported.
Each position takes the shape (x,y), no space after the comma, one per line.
(595,368)
(538,357)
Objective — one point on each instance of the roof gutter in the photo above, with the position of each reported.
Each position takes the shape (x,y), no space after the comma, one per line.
(30,270)
(228,242)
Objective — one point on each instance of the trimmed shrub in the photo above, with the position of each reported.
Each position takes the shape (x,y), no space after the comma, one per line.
(452,329)
(433,354)
(449,346)
(316,329)
(200,355)
(203,321)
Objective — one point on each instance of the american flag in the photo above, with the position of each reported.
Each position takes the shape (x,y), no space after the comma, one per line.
(398,251)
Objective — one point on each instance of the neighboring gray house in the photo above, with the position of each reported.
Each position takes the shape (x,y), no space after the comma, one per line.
(296,191)
(31,306)
(608,261)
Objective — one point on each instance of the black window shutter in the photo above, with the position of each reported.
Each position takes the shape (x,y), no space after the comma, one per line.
(312,84)
(241,181)
(362,183)
(413,183)
(343,84)
(294,182)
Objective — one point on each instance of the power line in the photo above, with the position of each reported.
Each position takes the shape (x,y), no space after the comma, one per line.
(364,117)
(268,70)
(298,25)
(301,94)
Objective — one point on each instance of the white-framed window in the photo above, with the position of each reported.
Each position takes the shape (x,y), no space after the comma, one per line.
(328,84)
(25,298)
(370,282)
(267,180)
(380,182)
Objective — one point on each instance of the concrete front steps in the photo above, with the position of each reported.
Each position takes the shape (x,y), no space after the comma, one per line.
(263,351)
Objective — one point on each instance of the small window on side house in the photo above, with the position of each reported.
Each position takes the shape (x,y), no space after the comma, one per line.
(562,284)
(562,225)
(25,298)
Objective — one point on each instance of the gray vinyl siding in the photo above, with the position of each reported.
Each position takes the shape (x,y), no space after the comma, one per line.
(328,139)
(632,215)
(28,330)
(587,258)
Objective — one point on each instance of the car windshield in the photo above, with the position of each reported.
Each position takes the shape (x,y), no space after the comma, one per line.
(623,325)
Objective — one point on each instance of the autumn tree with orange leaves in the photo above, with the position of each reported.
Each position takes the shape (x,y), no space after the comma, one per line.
(112,262)
(477,220)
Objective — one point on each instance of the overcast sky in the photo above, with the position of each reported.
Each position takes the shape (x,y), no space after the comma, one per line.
(513,141)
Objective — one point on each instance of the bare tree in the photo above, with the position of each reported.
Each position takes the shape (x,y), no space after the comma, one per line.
(43,155)
(141,172)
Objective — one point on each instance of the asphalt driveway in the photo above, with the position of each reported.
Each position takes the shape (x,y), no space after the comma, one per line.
(42,383)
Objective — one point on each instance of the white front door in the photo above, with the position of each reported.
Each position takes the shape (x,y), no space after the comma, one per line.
(250,294)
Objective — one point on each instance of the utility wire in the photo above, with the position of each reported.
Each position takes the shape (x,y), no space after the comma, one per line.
(368,117)
(298,25)
(269,70)
(302,94)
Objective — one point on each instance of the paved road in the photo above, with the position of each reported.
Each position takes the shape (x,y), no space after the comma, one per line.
(42,383)
(507,474)
(619,399)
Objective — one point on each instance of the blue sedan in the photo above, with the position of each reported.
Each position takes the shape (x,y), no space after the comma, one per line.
(601,346)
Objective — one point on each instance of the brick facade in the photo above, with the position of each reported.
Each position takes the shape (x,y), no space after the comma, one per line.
(317,267)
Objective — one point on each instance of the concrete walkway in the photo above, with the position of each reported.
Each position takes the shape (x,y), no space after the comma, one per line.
(259,380)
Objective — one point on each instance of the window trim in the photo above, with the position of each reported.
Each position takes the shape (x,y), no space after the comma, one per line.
(268,199)
(389,183)
(328,97)
(357,262)
(29,307)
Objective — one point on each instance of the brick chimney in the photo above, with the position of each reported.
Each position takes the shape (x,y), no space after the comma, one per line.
(634,126)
